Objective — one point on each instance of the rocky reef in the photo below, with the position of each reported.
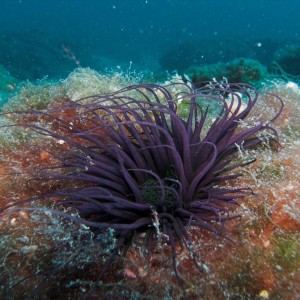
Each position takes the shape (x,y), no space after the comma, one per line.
(44,255)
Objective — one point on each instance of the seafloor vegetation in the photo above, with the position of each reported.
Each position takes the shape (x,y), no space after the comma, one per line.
(200,230)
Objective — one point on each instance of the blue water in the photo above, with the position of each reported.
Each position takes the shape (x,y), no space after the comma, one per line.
(52,37)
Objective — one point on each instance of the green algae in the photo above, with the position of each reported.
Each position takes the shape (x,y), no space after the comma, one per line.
(34,96)
(84,82)
(271,171)
(12,136)
(287,253)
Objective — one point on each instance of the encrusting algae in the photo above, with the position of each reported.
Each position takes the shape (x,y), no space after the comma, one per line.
(45,255)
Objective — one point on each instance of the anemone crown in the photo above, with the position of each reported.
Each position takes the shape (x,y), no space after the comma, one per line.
(143,166)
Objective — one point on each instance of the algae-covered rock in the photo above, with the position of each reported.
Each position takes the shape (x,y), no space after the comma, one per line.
(26,256)
(242,70)
(34,95)
(84,82)
(46,256)
(287,60)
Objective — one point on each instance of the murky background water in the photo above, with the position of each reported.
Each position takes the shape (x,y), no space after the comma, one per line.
(51,38)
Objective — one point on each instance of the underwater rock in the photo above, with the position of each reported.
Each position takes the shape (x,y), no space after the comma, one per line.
(263,49)
(84,82)
(287,61)
(63,259)
(242,70)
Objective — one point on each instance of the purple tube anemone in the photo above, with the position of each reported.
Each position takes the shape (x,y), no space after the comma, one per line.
(134,164)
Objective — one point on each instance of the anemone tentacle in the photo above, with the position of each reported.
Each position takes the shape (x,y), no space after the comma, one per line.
(133,155)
